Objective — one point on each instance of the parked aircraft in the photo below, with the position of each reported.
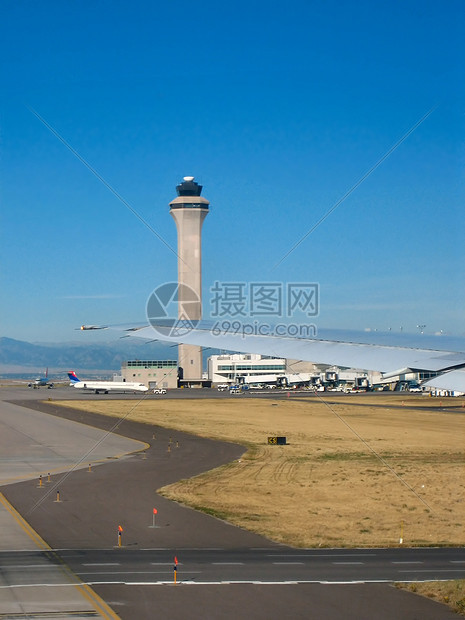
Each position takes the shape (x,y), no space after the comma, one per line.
(105,386)
(41,382)
(391,354)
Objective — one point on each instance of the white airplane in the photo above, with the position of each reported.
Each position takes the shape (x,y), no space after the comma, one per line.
(105,386)
(391,354)
(41,382)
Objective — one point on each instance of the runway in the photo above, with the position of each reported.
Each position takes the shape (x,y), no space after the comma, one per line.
(220,567)
(263,566)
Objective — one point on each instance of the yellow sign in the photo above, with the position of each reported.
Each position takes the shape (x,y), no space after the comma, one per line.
(277,441)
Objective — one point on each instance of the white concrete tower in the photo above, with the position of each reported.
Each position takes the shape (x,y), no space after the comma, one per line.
(189,210)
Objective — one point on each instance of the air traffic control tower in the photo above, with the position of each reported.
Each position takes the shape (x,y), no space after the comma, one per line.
(189,210)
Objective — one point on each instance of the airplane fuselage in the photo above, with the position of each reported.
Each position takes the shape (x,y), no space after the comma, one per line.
(40,383)
(110,386)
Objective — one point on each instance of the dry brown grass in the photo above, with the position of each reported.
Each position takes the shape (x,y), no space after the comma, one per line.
(326,487)
(451,593)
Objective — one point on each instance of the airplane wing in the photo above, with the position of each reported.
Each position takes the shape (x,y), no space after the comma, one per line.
(389,353)
(451,380)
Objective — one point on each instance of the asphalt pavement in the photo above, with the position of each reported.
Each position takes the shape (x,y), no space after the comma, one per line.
(222,571)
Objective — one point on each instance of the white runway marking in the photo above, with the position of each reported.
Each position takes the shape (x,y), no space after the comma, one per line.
(123,572)
(288,563)
(228,563)
(189,582)
(320,555)
(21,566)
(40,585)
(103,564)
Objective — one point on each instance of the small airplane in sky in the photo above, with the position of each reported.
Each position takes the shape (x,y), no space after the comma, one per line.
(105,386)
(41,382)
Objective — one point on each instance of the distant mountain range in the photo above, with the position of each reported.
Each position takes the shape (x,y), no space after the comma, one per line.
(17,356)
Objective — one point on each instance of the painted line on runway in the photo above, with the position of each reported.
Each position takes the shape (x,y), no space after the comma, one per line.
(125,572)
(457,561)
(228,563)
(434,570)
(22,566)
(102,564)
(196,549)
(288,563)
(408,562)
(356,582)
(74,552)
(320,555)
(38,552)
(348,563)
(189,582)
(88,584)
(40,585)
(238,582)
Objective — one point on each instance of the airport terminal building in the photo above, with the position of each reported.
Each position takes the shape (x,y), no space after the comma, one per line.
(229,368)
(153,373)
(240,368)
(245,368)
(249,369)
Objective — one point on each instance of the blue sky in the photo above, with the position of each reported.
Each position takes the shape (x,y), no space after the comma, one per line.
(277,109)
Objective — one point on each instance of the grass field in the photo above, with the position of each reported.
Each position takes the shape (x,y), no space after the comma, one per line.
(340,481)
(451,593)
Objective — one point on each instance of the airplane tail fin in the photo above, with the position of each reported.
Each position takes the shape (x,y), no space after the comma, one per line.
(72,377)
(46,373)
